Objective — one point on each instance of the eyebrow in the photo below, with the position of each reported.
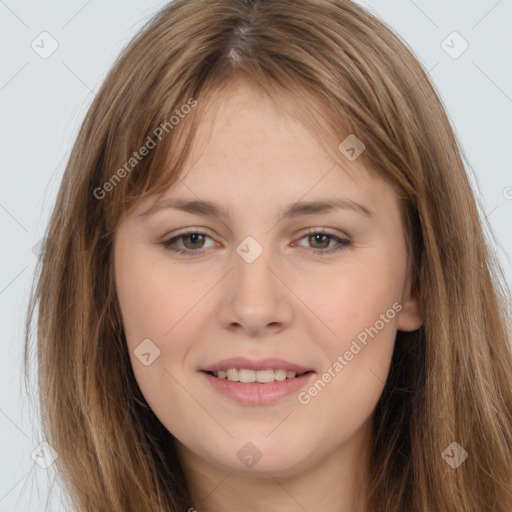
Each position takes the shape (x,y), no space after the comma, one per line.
(298,209)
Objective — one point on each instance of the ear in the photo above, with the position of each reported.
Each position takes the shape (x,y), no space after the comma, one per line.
(411,316)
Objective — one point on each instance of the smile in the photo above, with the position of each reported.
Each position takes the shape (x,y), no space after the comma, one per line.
(261,376)
(246,390)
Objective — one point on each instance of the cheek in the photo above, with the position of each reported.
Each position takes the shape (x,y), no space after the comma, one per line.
(163,304)
(354,296)
(359,303)
(361,313)
(157,304)
(150,295)
(141,299)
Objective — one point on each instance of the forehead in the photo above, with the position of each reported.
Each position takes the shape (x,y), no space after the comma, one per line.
(258,152)
(243,130)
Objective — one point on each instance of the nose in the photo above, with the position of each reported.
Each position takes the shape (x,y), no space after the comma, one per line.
(255,298)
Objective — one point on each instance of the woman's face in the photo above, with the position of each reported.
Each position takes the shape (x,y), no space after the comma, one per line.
(253,286)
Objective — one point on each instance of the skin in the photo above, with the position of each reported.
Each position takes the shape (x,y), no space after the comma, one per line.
(291,302)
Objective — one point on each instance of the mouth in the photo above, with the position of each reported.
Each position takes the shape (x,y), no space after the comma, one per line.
(250,382)
(266,376)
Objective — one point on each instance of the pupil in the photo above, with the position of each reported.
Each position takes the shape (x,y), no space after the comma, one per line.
(194,238)
(317,238)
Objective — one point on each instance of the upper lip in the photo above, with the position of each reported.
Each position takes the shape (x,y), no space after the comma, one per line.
(252,364)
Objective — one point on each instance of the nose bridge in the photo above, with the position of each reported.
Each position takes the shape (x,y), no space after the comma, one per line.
(252,278)
(254,298)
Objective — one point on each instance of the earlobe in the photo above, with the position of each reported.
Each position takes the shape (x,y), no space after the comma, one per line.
(410,317)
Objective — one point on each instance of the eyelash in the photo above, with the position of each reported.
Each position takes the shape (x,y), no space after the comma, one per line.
(342,242)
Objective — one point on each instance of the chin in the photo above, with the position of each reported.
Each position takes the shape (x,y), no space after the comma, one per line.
(260,457)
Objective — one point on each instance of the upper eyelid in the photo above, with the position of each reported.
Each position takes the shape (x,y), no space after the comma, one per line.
(310,231)
(199,231)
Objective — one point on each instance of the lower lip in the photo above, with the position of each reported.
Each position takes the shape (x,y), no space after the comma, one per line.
(256,393)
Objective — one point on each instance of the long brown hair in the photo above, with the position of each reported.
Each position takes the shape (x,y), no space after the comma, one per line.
(346,73)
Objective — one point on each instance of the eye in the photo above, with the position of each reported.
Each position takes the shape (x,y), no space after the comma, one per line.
(322,239)
(193,242)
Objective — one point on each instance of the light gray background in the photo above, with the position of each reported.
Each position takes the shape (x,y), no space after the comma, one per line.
(42,103)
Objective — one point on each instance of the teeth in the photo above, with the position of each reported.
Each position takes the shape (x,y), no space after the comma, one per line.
(232,374)
(262,376)
(280,374)
(247,375)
